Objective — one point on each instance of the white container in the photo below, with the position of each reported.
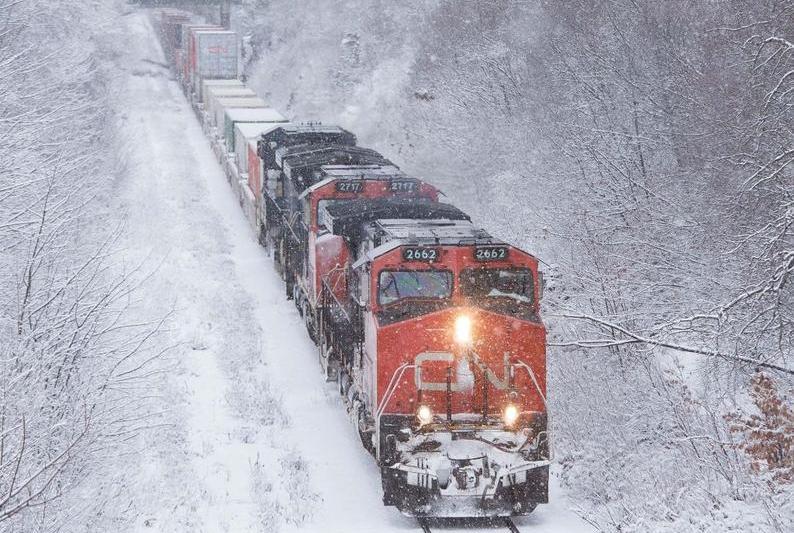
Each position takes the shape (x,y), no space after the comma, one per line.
(225,93)
(211,85)
(249,204)
(221,105)
(235,115)
(244,132)
(217,56)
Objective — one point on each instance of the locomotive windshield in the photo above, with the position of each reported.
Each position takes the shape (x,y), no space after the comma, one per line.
(394,285)
(507,291)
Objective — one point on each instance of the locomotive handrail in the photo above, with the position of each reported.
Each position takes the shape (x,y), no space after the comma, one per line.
(395,379)
(337,268)
(529,370)
(526,367)
(329,291)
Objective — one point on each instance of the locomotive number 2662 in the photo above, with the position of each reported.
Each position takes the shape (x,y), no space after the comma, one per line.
(420,254)
(491,253)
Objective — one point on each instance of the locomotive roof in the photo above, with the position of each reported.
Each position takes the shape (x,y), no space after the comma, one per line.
(388,234)
(351,217)
(313,127)
(313,132)
(294,134)
(292,158)
(368,171)
(329,173)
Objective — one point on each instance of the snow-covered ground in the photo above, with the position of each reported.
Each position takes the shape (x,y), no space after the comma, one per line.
(253,439)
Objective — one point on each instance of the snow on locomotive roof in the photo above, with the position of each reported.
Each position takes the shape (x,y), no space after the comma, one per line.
(302,155)
(330,173)
(311,127)
(437,232)
(371,209)
(372,171)
(351,217)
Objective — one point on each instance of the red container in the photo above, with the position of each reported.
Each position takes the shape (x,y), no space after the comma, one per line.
(171,30)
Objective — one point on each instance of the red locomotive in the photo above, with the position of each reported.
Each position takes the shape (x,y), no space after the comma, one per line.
(443,358)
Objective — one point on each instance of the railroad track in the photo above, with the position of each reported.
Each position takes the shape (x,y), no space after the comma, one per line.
(506,521)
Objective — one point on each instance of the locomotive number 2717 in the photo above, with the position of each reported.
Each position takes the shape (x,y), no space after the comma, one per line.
(349,186)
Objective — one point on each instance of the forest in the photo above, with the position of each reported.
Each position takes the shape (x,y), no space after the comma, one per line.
(640,149)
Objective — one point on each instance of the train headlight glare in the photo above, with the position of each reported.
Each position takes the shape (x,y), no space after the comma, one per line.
(424,414)
(510,415)
(463,330)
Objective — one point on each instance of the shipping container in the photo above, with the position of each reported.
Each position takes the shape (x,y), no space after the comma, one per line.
(216,94)
(248,203)
(209,84)
(171,30)
(220,105)
(215,55)
(236,115)
(255,169)
(244,132)
(178,58)
(211,87)
(189,50)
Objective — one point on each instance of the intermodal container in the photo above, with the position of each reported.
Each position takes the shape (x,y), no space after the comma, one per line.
(215,56)
(218,94)
(210,87)
(220,105)
(171,29)
(255,169)
(237,115)
(211,84)
(190,51)
(179,56)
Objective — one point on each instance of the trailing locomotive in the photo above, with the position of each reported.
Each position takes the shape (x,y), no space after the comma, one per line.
(429,325)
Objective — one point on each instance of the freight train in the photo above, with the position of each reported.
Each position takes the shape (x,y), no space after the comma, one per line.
(429,326)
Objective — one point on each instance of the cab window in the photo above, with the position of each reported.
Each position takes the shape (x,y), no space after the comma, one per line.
(506,291)
(397,285)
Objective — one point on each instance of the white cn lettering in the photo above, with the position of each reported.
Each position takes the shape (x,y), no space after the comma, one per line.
(463,378)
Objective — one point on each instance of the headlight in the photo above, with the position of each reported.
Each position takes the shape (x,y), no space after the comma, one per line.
(424,414)
(510,415)
(463,330)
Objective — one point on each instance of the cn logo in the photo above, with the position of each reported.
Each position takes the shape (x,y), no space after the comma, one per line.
(463,378)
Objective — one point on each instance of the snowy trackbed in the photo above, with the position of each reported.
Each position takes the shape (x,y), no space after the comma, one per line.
(256,440)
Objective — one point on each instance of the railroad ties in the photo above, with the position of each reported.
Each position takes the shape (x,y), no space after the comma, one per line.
(506,521)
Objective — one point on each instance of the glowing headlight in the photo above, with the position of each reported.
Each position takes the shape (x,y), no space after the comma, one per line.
(510,415)
(424,414)
(463,330)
